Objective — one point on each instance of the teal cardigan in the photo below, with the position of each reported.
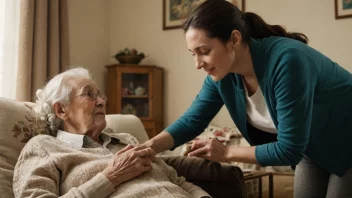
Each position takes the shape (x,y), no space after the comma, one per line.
(309,98)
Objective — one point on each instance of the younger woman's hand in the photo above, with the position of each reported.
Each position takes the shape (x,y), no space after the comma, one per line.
(210,149)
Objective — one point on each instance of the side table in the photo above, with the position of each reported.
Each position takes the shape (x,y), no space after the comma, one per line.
(259,175)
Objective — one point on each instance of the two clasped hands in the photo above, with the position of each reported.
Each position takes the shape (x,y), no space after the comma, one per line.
(133,160)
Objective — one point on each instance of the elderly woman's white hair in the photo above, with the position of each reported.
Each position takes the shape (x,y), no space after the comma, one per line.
(56,90)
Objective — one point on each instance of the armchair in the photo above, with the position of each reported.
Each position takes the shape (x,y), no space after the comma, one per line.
(17,126)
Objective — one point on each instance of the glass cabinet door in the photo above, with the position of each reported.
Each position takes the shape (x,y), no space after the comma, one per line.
(135,94)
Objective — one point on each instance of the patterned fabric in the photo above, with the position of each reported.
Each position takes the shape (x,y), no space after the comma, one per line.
(17,126)
(25,129)
(225,135)
(230,136)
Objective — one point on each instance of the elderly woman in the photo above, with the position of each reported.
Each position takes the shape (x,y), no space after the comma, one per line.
(79,160)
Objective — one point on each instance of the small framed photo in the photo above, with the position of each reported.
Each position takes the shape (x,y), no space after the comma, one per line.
(175,12)
(343,9)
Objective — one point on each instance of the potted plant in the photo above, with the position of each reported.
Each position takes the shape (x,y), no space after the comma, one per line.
(129,56)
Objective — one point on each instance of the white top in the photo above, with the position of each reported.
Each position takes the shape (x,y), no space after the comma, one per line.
(257,112)
(77,140)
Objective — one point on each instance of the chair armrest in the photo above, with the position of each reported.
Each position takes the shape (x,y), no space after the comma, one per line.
(127,124)
(218,179)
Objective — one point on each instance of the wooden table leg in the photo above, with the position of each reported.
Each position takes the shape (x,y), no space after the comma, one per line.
(271,186)
(260,188)
(259,176)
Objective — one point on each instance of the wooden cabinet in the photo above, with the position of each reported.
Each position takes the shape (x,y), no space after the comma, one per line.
(138,90)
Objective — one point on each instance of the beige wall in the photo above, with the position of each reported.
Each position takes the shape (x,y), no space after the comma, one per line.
(316,19)
(89,36)
(138,24)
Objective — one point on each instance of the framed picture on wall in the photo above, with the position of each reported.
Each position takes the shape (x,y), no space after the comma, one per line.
(343,9)
(175,12)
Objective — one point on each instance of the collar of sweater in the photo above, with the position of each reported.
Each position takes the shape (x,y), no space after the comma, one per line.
(78,140)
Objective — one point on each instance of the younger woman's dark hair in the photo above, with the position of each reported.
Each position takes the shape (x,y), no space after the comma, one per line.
(219,18)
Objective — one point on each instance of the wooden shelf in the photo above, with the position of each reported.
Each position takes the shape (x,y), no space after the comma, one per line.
(149,107)
(133,96)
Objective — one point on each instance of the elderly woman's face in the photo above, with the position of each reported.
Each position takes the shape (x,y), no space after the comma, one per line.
(86,111)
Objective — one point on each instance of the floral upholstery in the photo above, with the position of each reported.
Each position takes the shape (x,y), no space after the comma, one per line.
(15,131)
(229,136)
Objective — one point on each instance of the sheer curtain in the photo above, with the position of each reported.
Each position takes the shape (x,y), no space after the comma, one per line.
(9,34)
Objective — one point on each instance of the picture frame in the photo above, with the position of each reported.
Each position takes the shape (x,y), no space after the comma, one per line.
(343,9)
(174,12)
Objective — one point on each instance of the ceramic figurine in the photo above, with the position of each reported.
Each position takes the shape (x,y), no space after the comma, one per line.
(129,109)
(139,91)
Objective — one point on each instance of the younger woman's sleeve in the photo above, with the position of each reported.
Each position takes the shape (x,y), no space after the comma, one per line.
(203,109)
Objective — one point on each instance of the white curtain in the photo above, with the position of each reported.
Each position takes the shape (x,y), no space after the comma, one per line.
(9,35)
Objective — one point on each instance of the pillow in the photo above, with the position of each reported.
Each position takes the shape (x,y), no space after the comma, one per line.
(17,126)
(225,135)
(229,136)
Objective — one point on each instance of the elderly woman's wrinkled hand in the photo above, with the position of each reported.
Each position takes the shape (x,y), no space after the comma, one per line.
(129,163)
(130,146)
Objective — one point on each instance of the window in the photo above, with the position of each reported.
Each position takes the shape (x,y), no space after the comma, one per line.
(9,34)
(2,26)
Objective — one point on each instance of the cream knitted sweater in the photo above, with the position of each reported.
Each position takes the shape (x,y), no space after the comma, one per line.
(49,167)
